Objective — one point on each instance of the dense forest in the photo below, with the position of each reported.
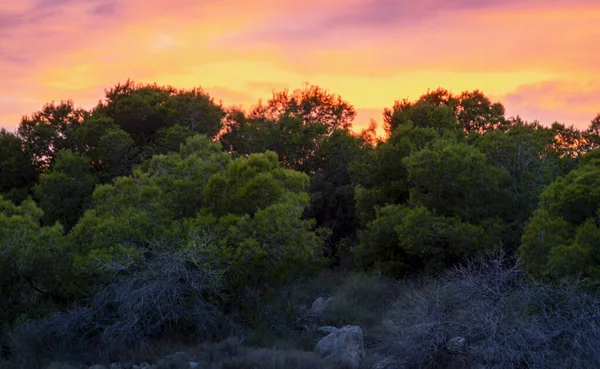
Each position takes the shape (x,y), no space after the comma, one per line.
(161,217)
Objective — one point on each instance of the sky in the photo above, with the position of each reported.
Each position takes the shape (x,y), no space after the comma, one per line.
(540,58)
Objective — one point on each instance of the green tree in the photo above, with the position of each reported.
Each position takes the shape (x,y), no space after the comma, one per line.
(249,208)
(196,110)
(456,180)
(472,109)
(382,178)
(112,151)
(17,170)
(63,191)
(293,125)
(32,262)
(422,114)
(50,130)
(332,189)
(312,104)
(403,240)
(142,110)
(523,150)
(169,139)
(564,228)
(183,176)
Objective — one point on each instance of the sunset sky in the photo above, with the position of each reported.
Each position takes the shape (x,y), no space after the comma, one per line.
(540,58)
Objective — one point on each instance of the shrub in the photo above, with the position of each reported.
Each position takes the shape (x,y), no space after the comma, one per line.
(230,354)
(506,320)
(166,293)
(360,300)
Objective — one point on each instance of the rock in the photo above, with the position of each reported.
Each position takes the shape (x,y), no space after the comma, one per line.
(318,306)
(194,364)
(177,360)
(326,329)
(98,367)
(144,366)
(344,346)
(389,325)
(456,345)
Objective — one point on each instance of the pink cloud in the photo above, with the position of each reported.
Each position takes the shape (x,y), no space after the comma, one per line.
(562,101)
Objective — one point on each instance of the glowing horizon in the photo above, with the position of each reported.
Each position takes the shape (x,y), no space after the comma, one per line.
(539,60)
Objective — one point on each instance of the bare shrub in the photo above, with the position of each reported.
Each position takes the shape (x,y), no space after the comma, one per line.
(230,354)
(167,292)
(360,300)
(507,321)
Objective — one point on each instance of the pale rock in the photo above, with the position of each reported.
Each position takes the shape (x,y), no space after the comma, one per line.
(344,346)
(318,306)
(326,329)
(456,345)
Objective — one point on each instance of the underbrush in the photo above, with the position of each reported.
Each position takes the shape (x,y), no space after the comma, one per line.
(500,317)
(503,319)
(169,294)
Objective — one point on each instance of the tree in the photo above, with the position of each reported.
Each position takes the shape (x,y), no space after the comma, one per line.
(332,189)
(142,110)
(169,139)
(564,228)
(383,178)
(32,262)
(472,109)
(64,190)
(112,151)
(17,170)
(50,130)
(183,176)
(523,150)
(196,110)
(238,212)
(456,180)
(403,240)
(476,113)
(421,114)
(293,125)
(311,105)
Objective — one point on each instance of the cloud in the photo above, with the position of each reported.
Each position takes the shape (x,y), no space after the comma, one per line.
(368,51)
(563,101)
(106,8)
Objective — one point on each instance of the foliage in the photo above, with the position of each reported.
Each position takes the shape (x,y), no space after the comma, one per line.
(382,178)
(505,319)
(31,258)
(63,191)
(293,125)
(17,170)
(165,291)
(142,110)
(311,104)
(244,214)
(50,130)
(561,237)
(331,189)
(402,240)
(473,111)
(160,213)
(455,179)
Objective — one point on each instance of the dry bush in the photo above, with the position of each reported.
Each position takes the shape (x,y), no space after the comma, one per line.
(230,354)
(360,300)
(166,293)
(507,321)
